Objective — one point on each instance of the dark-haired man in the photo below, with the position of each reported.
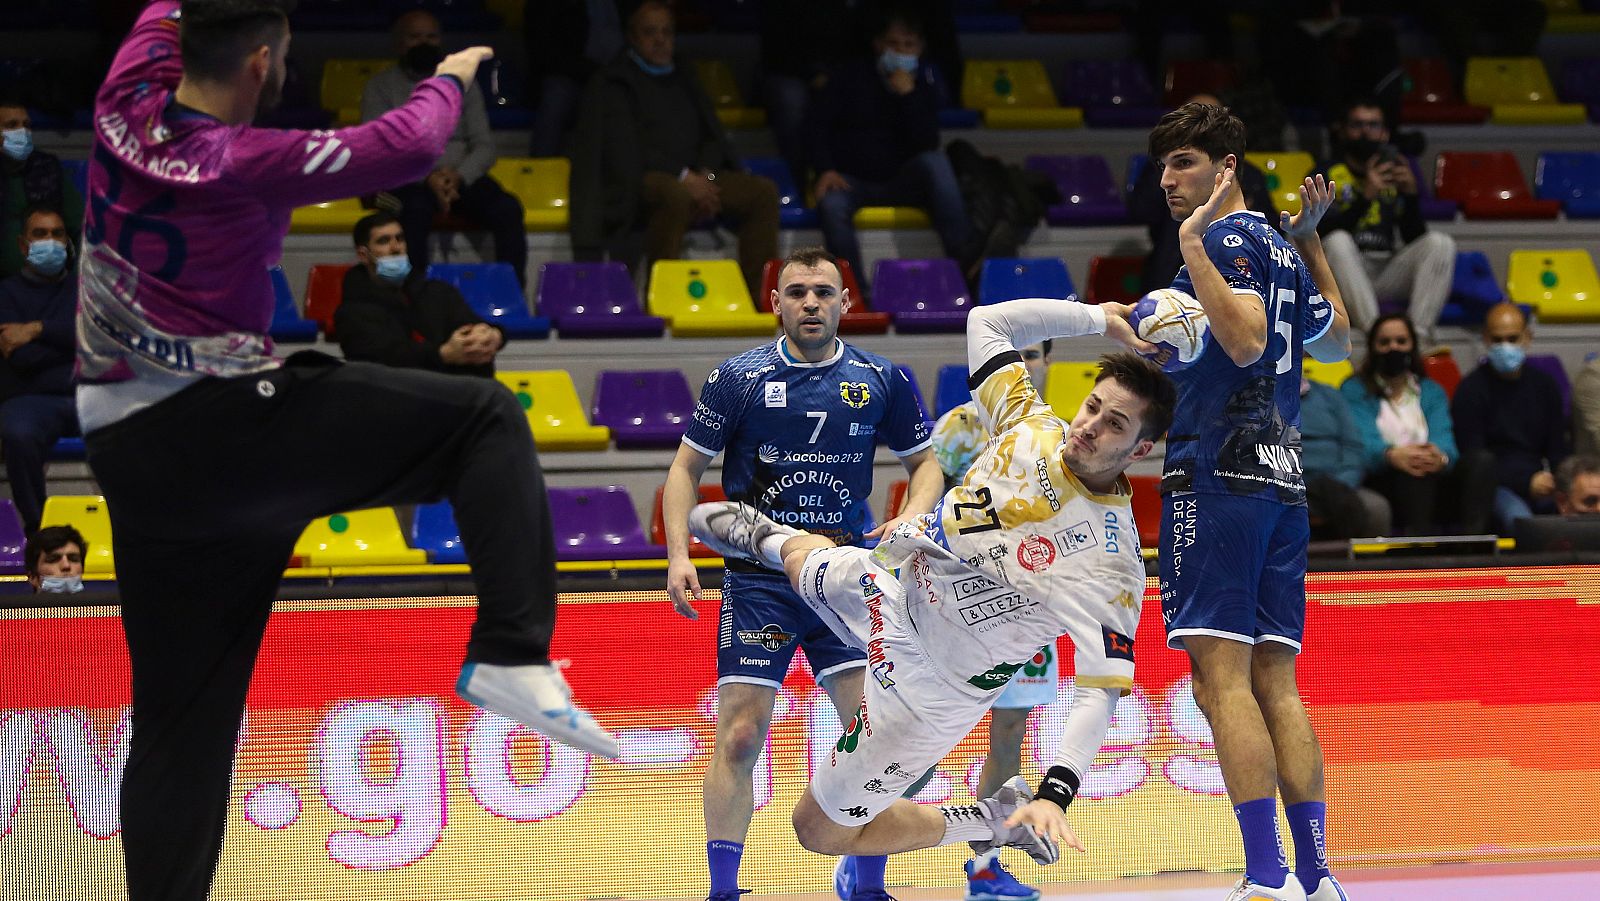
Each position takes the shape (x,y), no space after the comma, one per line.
(29,177)
(53,559)
(1038,541)
(1233,523)
(179,394)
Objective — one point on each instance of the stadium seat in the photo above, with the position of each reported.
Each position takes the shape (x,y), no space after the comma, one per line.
(541,183)
(1518,92)
(1147,508)
(1330,374)
(78,171)
(597,524)
(1489,186)
(1114,93)
(324,293)
(1572,17)
(952,390)
(1442,368)
(334,217)
(1136,165)
(643,408)
(792,210)
(705,297)
(1067,384)
(435,533)
(916,389)
(921,295)
(1580,83)
(67,449)
(1011,278)
(1573,179)
(1473,285)
(87,514)
(1433,99)
(658,528)
(342,83)
(1188,77)
(716,77)
(287,325)
(1550,365)
(1115,279)
(12,539)
(491,289)
(359,538)
(1560,284)
(891,217)
(897,499)
(1089,193)
(1015,93)
(554,412)
(594,300)
(1434,209)
(1285,173)
(857,321)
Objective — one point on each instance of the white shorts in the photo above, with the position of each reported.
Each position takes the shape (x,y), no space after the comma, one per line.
(911,715)
(1035,684)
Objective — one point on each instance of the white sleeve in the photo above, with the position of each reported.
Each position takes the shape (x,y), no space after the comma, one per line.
(996,328)
(1087,724)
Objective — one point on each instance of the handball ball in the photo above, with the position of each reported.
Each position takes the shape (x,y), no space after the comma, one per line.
(1175,323)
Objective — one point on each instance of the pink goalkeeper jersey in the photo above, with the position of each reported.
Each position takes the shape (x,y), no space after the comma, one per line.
(186,214)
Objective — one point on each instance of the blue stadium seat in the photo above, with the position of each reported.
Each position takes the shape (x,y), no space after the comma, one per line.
(492,291)
(1009,279)
(916,390)
(434,530)
(952,390)
(792,210)
(1573,179)
(288,326)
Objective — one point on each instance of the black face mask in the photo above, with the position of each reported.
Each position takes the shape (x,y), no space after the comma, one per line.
(422,59)
(1394,362)
(1361,149)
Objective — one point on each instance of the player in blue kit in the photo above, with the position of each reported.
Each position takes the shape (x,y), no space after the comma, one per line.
(1233,524)
(799,419)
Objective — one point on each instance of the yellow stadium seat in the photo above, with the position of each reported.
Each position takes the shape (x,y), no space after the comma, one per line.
(892,217)
(87,514)
(718,81)
(1015,93)
(1330,374)
(336,217)
(1284,172)
(342,83)
(554,411)
(1518,91)
(1561,284)
(1067,384)
(361,538)
(705,297)
(542,186)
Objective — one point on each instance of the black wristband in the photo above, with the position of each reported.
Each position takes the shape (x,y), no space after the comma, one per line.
(1060,785)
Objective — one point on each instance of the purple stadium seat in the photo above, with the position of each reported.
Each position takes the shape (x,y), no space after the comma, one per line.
(594,300)
(1580,83)
(1113,93)
(597,523)
(921,295)
(11,539)
(644,408)
(1089,194)
(1433,208)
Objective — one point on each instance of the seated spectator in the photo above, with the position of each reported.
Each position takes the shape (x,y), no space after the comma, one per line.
(1377,243)
(1333,458)
(460,184)
(392,315)
(29,177)
(1409,441)
(1578,485)
(651,152)
(567,41)
(801,40)
(38,338)
(53,559)
(1513,411)
(1586,408)
(873,138)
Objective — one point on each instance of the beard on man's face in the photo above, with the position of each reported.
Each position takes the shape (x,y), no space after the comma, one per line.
(271,96)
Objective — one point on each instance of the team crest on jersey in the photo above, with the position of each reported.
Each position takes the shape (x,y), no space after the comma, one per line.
(766,453)
(1241,264)
(855,394)
(1035,553)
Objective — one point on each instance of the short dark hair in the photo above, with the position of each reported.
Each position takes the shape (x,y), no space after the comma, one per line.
(215,36)
(1369,364)
(902,14)
(366,224)
(46,540)
(40,208)
(1572,467)
(1361,100)
(1146,380)
(810,258)
(1213,130)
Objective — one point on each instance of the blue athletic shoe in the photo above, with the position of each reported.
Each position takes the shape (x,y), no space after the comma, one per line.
(728,896)
(993,883)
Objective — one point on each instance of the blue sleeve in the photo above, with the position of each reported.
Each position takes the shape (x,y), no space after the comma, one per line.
(906,428)
(1241,259)
(1316,313)
(1441,431)
(716,414)
(1364,409)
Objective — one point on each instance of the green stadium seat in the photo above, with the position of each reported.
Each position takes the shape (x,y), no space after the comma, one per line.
(705,297)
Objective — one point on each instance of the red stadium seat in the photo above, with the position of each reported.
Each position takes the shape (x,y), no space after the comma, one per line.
(1441,367)
(1489,186)
(1147,508)
(859,320)
(658,525)
(897,499)
(1188,77)
(324,292)
(1433,98)
(1115,279)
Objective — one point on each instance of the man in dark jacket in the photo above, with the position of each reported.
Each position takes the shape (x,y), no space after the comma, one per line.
(29,177)
(37,337)
(649,151)
(393,316)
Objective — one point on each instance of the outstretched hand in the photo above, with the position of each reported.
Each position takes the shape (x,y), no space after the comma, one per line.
(1048,819)
(1316,196)
(1120,330)
(1206,213)
(464,64)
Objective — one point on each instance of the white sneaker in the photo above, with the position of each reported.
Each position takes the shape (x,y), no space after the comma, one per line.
(537,696)
(1328,889)
(1247,890)
(735,529)
(998,807)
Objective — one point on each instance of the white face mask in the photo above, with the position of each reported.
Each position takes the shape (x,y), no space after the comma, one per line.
(61,584)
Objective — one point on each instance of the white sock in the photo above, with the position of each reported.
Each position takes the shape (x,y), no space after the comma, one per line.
(771,550)
(985,860)
(965,823)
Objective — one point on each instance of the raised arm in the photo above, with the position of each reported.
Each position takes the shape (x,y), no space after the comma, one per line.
(1316,196)
(1238,321)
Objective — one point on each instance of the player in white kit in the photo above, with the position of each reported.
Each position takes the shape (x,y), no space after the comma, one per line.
(1038,541)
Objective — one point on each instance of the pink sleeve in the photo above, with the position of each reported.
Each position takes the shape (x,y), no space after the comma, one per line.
(148,55)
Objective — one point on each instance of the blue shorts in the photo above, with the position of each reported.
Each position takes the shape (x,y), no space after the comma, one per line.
(762,623)
(1233,567)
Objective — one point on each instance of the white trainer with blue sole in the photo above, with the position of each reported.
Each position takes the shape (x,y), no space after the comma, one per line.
(537,696)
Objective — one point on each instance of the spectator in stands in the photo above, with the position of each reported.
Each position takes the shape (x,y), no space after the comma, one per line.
(801,40)
(1409,441)
(873,140)
(1333,459)
(649,151)
(53,559)
(460,184)
(38,340)
(1586,408)
(567,41)
(1513,411)
(1578,485)
(392,315)
(1377,243)
(28,177)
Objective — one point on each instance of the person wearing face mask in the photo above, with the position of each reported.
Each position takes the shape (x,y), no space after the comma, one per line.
(390,314)
(1513,411)
(37,339)
(53,559)
(28,177)
(1377,243)
(460,184)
